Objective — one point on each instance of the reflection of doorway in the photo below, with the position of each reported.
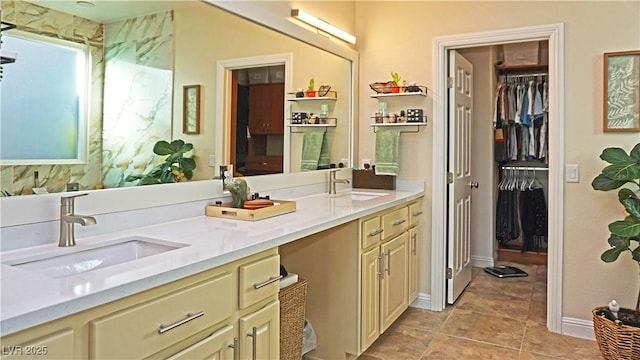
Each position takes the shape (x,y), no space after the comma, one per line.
(227,131)
(554,34)
(257,124)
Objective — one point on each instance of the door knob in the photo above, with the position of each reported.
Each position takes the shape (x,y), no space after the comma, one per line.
(474,184)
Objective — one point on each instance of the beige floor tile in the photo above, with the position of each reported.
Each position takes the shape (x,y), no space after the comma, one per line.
(401,343)
(424,319)
(539,340)
(533,356)
(447,347)
(538,312)
(485,327)
(490,286)
(506,306)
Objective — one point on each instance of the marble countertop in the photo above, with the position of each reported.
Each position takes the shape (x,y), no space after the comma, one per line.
(29,298)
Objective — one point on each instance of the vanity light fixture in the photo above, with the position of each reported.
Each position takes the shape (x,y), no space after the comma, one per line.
(322,25)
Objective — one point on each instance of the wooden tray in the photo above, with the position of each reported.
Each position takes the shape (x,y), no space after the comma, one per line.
(228,212)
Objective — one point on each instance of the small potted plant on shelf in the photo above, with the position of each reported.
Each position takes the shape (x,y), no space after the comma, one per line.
(395,88)
(311,92)
(618,330)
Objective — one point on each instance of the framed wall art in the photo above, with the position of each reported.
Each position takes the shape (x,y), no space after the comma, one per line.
(622,91)
(191,109)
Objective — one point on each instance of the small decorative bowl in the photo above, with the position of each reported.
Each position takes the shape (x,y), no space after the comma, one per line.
(382,87)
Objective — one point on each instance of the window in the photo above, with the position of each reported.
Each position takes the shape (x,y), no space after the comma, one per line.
(44,101)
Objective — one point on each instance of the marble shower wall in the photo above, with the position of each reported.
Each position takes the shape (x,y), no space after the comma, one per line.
(137,95)
(131,99)
(29,17)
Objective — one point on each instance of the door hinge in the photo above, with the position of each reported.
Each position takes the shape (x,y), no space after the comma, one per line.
(450,178)
(449,273)
(450,82)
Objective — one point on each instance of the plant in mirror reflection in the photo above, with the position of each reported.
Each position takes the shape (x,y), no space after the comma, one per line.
(177,167)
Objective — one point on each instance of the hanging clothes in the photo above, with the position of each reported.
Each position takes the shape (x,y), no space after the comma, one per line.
(520,119)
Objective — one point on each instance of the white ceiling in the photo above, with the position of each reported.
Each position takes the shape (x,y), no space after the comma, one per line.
(108,11)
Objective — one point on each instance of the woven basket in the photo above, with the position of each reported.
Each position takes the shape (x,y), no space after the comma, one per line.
(292,303)
(616,340)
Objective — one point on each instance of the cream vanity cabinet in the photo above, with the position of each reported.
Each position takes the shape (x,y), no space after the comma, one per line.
(389,243)
(229,312)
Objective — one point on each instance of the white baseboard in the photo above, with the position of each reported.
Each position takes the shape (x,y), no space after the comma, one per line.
(422,302)
(482,261)
(578,328)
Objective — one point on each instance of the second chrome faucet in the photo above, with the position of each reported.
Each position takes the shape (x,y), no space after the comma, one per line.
(68,218)
(333,181)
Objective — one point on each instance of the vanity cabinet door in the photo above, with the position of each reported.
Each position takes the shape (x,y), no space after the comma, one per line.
(394,285)
(260,333)
(217,346)
(370,296)
(57,345)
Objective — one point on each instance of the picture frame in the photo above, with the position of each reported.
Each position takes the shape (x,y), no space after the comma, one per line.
(191,109)
(621,103)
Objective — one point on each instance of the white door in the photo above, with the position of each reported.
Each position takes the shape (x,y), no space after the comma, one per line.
(459,182)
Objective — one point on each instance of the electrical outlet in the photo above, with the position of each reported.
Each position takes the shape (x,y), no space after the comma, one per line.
(345,162)
(366,161)
(212,160)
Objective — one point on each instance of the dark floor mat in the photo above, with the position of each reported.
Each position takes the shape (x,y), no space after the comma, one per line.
(505,271)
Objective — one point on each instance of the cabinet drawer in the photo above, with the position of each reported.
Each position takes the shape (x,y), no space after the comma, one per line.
(371,232)
(415,213)
(215,346)
(143,330)
(395,222)
(259,280)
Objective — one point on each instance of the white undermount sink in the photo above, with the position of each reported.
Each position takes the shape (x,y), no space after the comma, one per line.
(361,195)
(59,264)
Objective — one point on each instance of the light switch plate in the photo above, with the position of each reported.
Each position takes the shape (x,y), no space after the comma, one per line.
(572,173)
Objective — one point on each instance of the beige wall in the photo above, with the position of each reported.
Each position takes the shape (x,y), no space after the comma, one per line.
(407,49)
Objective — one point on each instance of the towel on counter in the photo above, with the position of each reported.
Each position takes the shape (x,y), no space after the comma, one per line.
(312,144)
(387,151)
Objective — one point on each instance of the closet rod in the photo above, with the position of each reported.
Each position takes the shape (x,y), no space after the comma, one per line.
(506,167)
(525,75)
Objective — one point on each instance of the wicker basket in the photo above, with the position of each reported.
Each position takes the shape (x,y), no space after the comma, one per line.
(616,341)
(292,303)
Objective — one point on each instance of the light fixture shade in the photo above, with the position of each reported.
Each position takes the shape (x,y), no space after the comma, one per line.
(322,25)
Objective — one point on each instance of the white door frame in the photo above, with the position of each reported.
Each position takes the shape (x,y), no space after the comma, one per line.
(555,34)
(223,101)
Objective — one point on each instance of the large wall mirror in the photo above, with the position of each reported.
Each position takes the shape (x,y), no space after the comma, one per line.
(142,56)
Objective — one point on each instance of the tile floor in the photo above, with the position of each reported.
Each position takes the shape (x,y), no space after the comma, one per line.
(493,319)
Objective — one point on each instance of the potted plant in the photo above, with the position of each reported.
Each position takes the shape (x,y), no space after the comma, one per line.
(176,167)
(612,324)
(396,81)
(311,92)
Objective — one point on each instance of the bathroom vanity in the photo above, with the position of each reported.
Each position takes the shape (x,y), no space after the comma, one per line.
(214,290)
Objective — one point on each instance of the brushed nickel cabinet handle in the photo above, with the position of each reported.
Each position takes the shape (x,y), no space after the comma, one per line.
(398,222)
(417,213)
(164,328)
(376,232)
(415,243)
(380,266)
(236,352)
(254,346)
(271,279)
(388,270)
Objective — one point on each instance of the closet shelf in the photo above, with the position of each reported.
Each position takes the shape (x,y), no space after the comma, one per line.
(521,69)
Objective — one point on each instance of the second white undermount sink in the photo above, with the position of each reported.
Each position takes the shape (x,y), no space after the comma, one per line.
(361,195)
(59,264)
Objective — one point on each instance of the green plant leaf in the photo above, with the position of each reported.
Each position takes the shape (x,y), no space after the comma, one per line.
(611,255)
(163,148)
(635,254)
(625,193)
(617,241)
(628,170)
(627,228)
(632,205)
(188,164)
(188,174)
(615,155)
(635,153)
(604,183)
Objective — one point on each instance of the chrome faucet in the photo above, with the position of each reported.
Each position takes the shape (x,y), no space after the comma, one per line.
(68,218)
(333,181)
